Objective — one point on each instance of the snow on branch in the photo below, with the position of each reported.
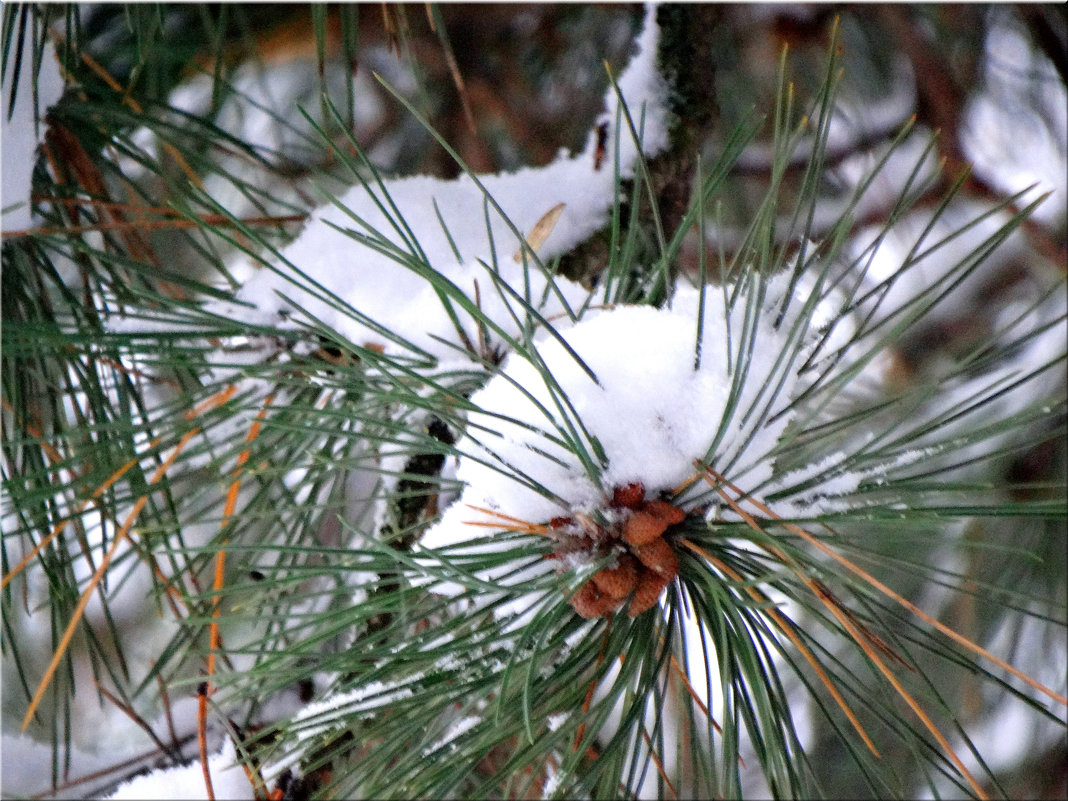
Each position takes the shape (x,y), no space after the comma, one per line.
(374,246)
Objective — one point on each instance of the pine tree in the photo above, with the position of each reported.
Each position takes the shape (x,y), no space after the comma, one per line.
(393,408)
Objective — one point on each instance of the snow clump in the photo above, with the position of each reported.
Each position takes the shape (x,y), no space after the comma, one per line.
(646,397)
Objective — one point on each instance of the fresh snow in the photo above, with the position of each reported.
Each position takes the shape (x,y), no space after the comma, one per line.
(402,301)
(399,212)
(658,394)
(456,729)
(228,781)
(628,389)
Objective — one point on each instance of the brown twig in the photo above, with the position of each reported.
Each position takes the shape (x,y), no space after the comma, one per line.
(202,736)
(132,714)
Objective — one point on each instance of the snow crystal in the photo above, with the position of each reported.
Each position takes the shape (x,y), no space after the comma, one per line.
(331,712)
(554,722)
(455,730)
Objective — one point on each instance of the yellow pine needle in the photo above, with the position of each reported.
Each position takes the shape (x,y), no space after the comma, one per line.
(788,629)
(874,582)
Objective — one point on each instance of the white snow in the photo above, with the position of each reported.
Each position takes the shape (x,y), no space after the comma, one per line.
(332,711)
(935,253)
(1016,129)
(24,766)
(552,780)
(554,722)
(639,406)
(626,387)
(456,729)
(404,211)
(24,131)
(228,781)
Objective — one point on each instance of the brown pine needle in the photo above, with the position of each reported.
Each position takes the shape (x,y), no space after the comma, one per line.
(522,526)
(218,399)
(131,713)
(685,485)
(787,628)
(541,230)
(105,76)
(62,524)
(120,537)
(658,763)
(454,70)
(588,700)
(35,431)
(817,587)
(858,637)
(696,699)
(166,224)
(913,705)
(693,693)
(166,699)
(874,582)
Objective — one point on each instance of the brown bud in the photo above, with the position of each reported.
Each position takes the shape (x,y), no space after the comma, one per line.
(662,510)
(629,495)
(590,602)
(642,528)
(650,586)
(618,581)
(658,557)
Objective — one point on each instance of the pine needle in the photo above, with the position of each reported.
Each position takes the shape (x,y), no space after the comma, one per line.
(874,582)
(119,539)
(787,628)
